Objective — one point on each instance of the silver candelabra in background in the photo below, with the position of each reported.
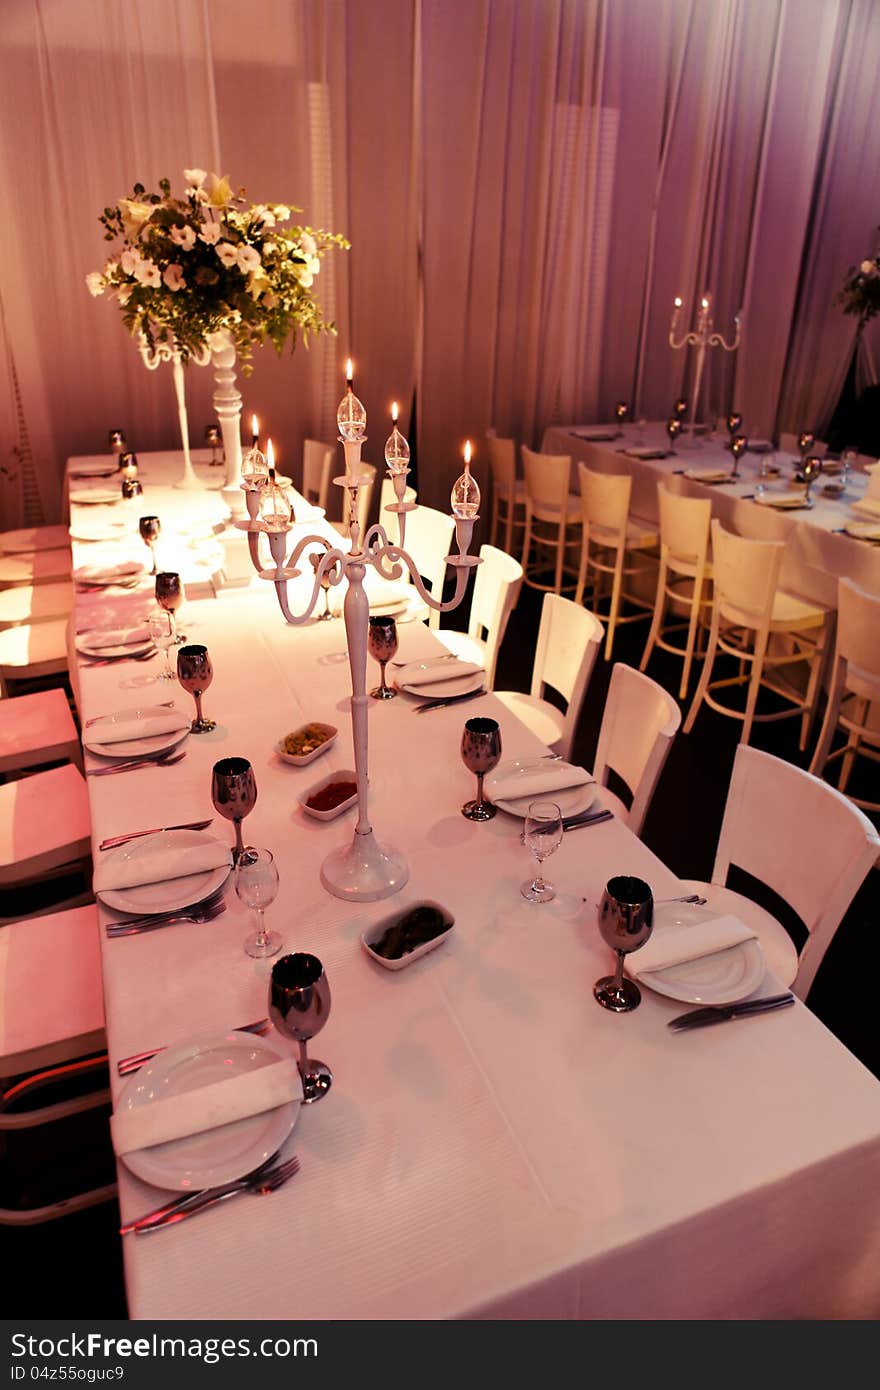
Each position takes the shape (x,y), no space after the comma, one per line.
(701,337)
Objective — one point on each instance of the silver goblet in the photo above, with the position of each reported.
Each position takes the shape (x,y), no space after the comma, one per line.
(234,794)
(480,752)
(382,644)
(299,1005)
(626,919)
(810,470)
(325,585)
(673,429)
(195,673)
(738,445)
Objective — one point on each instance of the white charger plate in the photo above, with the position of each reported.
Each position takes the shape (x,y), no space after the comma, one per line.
(169,894)
(784,500)
(707,475)
(108,581)
(92,530)
(863,530)
(456,685)
(87,648)
(91,496)
(132,747)
(570,800)
(724,977)
(216,1155)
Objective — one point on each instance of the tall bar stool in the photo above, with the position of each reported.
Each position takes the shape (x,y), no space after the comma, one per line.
(496,591)
(616,535)
(317,465)
(855,687)
(428,538)
(508,492)
(683,577)
(749,608)
(549,505)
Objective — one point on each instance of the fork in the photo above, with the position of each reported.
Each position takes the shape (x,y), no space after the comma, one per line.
(143,924)
(126,1065)
(267,1178)
(158,760)
(166,704)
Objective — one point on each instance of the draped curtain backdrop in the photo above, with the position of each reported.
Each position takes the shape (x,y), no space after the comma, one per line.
(526,184)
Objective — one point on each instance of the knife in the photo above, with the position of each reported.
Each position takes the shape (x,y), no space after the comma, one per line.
(701,1018)
(136,834)
(591,818)
(451,700)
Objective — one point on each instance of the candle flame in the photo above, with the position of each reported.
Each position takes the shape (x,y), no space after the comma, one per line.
(705,301)
(349,371)
(467,451)
(678,301)
(255,426)
(394,411)
(270,454)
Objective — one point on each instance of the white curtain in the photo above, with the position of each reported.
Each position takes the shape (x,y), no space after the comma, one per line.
(526,184)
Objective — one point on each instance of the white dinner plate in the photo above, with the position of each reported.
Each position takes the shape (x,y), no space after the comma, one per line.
(132,747)
(97,465)
(784,500)
(570,800)
(863,530)
(84,646)
(171,893)
(89,496)
(456,685)
(93,530)
(216,1155)
(720,978)
(107,581)
(708,475)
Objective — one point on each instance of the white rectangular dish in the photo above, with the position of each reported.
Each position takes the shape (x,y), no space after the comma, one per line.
(402,953)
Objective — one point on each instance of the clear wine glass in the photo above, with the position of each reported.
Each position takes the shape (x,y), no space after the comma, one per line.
(626,919)
(169,595)
(480,752)
(738,445)
(161,625)
(256,883)
(673,429)
(316,559)
(543,835)
(382,645)
(150,528)
(234,794)
(848,460)
(195,673)
(299,1005)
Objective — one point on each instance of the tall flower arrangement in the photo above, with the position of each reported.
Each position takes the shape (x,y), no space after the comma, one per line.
(185,269)
(860,294)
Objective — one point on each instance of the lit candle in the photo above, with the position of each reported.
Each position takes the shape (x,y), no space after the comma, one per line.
(255,431)
(349,374)
(394,412)
(270,454)
(676,311)
(465,492)
(467,452)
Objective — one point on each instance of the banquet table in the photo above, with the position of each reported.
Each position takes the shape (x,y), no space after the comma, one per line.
(494,1144)
(817,552)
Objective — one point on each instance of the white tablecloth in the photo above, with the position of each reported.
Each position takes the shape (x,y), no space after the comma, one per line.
(494,1144)
(817,554)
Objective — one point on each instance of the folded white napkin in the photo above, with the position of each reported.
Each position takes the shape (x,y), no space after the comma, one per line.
(676,945)
(707,475)
(155,866)
(868,506)
(207,1107)
(118,636)
(427,672)
(124,570)
(531,781)
(148,727)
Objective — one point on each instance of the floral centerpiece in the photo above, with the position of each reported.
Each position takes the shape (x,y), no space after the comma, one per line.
(186,269)
(861,291)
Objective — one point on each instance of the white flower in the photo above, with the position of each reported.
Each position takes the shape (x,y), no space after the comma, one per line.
(261,213)
(248,258)
(123,294)
(868,268)
(129,260)
(303,274)
(309,245)
(147,273)
(95,282)
(184,237)
(314,264)
(195,177)
(173,277)
(210,233)
(281,211)
(227,253)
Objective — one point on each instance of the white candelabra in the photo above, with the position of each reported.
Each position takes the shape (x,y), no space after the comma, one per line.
(364,870)
(152,357)
(702,337)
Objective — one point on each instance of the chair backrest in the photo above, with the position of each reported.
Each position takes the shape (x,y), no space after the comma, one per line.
(605,498)
(684,525)
(502,462)
(317,465)
(428,538)
(746,572)
(639,724)
(803,839)
(547,480)
(496,590)
(569,638)
(858,628)
(387,495)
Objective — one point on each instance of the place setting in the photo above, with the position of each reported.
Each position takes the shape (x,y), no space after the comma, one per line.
(121,574)
(141,732)
(113,644)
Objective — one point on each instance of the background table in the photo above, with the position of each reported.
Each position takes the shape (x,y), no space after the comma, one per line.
(495,1144)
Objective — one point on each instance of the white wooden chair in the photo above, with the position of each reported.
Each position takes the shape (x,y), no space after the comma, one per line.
(428,538)
(610,537)
(748,609)
(32,651)
(855,687)
(806,842)
(569,638)
(37,729)
(639,724)
(36,567)
(553,517)
(317,470)
(55,960)
(365,498)
(45,830)
(496,590)
(30,538)
(683,577)
(508,492)
(34,603)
